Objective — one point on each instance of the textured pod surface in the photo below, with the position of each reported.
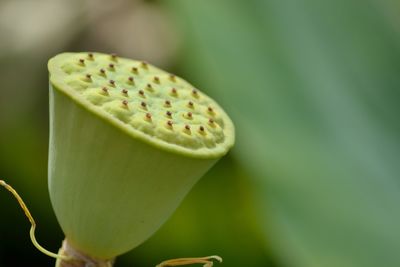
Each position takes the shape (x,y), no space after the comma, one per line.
(118,168)
(148,103)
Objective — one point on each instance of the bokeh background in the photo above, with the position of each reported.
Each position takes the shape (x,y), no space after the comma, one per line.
(313,87)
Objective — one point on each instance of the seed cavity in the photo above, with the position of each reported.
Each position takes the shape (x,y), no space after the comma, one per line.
(202,130)
(156,80)
(104,90)
(114,57)
(149,87)
(88,77)
(169,124)
(172,78)
(135,70)
(144,65)
(174,92)
(148,117)
(187,129)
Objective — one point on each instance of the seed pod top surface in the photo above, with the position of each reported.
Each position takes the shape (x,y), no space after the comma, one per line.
(145,102)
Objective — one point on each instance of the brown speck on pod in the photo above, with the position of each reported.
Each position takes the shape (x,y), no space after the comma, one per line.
(187,128)
(167,103)
(144,64)
(102,72)
(202,130)
(189,115)
(156,79)
(169,124)
(141,93)
(148,116)
(88,77)
(211,122)
(168,113)
(172,77)
(210,110)
(195,93)
(149,87)
(130,79)
(135,70)
(190,104)
(114,56)
(111,66)
(81,61)
(143,105)
(174,92)
(90,56)
(104,90)
(112,82)
(124,92)
(125,104)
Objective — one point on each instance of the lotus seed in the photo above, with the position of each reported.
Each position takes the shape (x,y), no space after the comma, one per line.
(172,77)
(149,87)
(144,65)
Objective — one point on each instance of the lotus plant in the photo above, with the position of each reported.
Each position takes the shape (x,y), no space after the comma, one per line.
(127,143)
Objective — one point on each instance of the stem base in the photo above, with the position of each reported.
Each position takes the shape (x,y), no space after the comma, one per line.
(79,259)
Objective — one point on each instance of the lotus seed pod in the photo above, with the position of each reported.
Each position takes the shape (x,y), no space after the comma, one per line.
(127,143)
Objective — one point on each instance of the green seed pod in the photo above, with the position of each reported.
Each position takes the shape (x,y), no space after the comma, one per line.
(127,143)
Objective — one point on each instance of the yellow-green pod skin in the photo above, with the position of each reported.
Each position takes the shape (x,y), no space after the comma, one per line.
(113,183)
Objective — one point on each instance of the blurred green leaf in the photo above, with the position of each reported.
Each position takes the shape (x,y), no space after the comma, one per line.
(313,87)
(217,217)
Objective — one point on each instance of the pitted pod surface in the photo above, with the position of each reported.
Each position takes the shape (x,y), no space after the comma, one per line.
(147,102)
